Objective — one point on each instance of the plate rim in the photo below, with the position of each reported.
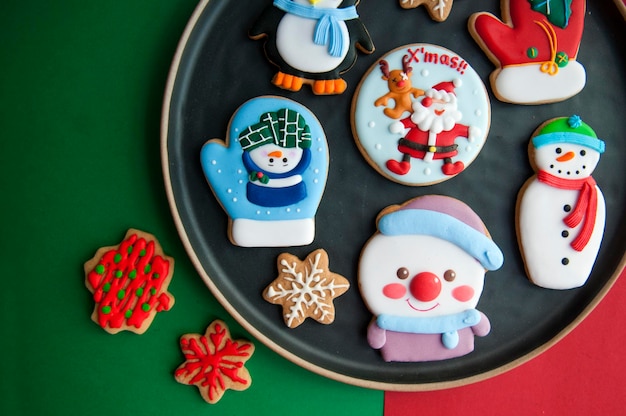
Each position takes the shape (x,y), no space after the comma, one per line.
(256,333)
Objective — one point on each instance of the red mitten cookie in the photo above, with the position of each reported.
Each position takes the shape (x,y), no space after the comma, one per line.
(534,47)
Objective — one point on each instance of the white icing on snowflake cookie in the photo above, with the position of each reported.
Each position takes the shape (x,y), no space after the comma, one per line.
(420,115)
(306,288)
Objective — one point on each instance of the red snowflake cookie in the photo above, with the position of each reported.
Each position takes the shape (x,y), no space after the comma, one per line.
(214,362)
(129,283)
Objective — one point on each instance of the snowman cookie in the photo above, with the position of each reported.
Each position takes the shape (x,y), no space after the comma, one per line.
(561,211)
(534,47)
(420,115)
(270,172)
(421,275)
(312,42)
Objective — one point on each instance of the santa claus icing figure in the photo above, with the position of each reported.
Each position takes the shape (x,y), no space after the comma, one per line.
(433,128)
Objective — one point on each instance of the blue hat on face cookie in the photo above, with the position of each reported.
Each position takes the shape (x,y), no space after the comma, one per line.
(568,130)
(448,219)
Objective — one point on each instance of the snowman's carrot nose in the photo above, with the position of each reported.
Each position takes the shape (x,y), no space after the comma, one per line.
(275,153)
(564,158)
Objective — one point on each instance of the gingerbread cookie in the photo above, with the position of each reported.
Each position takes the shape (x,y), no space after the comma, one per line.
(420,115)
(534,48)
(270,172)
(306,288)
(561,211)
(421,275)
(129,283)
(437,9)
(312,42)
(214,362)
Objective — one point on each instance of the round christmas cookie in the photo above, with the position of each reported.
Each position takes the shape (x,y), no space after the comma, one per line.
(420,115)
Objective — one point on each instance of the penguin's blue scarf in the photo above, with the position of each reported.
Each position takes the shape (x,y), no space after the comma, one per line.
(327,31)
(447,325)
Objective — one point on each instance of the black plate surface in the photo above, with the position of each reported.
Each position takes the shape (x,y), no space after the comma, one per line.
(218,68)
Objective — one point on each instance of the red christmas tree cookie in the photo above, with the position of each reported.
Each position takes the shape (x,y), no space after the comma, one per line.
(129,283)
(214,362)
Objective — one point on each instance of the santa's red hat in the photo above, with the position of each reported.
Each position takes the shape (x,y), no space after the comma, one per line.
(442,91)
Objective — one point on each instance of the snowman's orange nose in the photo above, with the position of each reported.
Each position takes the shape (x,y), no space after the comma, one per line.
(567,156)
(275,153)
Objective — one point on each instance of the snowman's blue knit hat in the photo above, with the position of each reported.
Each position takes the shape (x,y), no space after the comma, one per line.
(568,130)
(445,218)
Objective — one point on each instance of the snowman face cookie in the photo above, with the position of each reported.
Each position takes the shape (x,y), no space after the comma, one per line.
(421,275)
(441,280)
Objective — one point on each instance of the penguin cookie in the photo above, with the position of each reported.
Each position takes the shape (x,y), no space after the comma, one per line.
(421,275)
(312,42)
(561,211)
(420,115)
(270,172)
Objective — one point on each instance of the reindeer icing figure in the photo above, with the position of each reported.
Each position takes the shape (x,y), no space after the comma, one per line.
(400,89)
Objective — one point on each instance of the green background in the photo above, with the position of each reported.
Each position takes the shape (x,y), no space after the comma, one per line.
(82,87)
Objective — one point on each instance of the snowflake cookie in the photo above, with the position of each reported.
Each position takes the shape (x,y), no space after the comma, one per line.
(306,288)
(214,362)
(129,283)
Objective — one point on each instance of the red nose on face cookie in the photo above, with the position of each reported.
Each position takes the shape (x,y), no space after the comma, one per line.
(425,286)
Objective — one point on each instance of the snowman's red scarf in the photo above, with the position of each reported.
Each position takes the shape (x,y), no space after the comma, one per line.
(585,209)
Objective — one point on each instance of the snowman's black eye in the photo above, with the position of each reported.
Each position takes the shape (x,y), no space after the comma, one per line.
(583,153)
(285,160)
(271,160)
(449,275)
(402,273)
(558,150)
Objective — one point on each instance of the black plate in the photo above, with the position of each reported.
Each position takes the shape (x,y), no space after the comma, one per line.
(217,68)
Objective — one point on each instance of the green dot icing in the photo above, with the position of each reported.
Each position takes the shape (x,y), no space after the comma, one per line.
(130,249)
(145,307)
(139,291)
(128,314)
(117,258)
(532,52)
(106,287)
(147,269)
(132,274)
(561,59)
(119,274)
(106,309)
(121,294)
(155,276)
(142,253)
(153,291)
(100,269)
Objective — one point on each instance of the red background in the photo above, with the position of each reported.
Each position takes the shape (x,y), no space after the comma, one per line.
(583,374)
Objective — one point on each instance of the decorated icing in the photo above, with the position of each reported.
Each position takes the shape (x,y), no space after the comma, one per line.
(422,281)
(306,288)
(561,210)
(437,9)
(312,42)
(440,134)
(129,283)
(214,362)
(534,47)
(270,201)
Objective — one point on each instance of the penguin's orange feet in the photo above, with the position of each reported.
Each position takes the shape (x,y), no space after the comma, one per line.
(288,82)
(329,86)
